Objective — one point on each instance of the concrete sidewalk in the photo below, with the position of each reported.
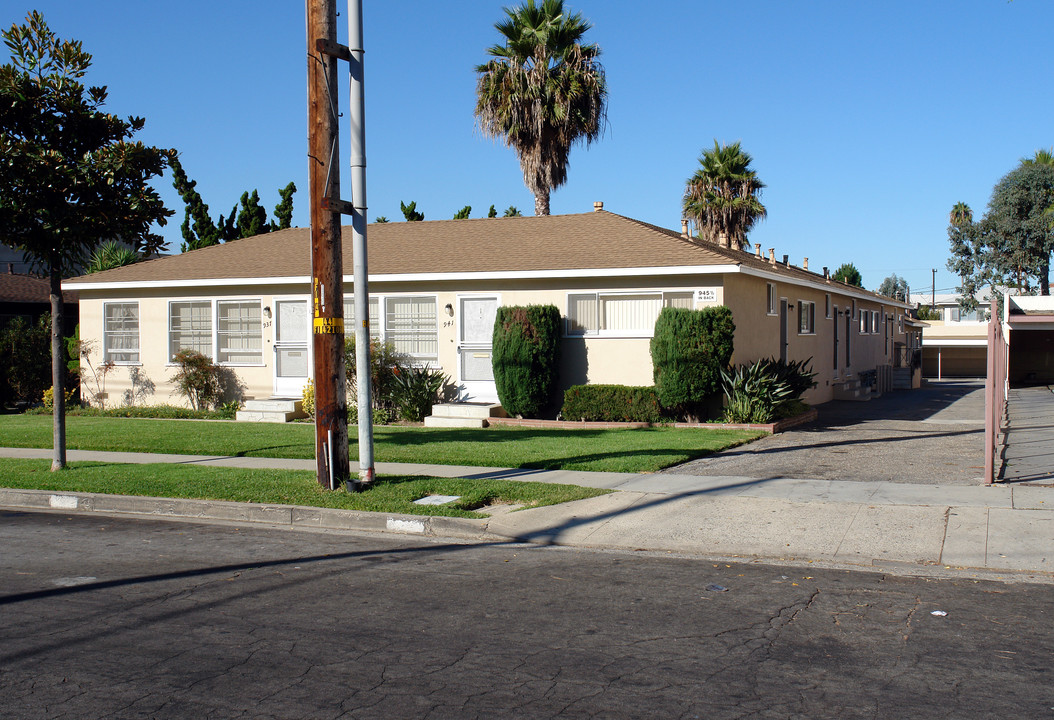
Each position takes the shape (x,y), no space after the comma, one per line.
(908,528)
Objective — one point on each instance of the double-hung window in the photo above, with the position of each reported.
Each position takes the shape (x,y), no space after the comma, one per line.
(190,327)
(239,332)
(120,335)
(865,321)
(409,322)
(630,314)
(806,317)
(770,307)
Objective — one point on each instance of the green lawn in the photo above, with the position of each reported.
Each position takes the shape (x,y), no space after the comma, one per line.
(390,493)
(629,450)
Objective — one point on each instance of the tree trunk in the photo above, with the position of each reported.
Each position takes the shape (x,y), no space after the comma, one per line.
(58,367)
(1044,278)
(541,202)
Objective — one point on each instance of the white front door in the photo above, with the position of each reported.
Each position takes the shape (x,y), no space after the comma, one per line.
(475,372)
(292,365)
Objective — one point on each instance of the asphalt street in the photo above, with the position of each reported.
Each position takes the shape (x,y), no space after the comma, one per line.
(118,618)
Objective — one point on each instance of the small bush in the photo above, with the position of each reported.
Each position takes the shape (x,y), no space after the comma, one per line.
(167,412)
(48,398)
(380,417)
(418,389)
(308,398)
(526,357)
(198,379)
(612,403)
(689,351)
(384,358)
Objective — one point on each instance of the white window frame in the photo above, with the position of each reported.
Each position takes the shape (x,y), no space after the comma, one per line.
(666,298)
(218,346)
(172,350)
(108,334)
(806,317)
(772,299)
(379,330)
(864,322)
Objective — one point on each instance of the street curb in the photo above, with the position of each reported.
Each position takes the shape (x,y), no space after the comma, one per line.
(293,516)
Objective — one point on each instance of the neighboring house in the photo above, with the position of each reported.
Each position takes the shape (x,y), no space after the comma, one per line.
(13,262)
(955,346)
(435,286)
(29,297)
(1028,326)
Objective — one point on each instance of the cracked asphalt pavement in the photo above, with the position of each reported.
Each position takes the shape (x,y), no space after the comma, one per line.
(121,618)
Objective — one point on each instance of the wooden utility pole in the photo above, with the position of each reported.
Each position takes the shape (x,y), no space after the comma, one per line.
(327,291)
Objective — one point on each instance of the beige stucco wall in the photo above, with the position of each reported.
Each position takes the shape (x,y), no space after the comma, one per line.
(607,359)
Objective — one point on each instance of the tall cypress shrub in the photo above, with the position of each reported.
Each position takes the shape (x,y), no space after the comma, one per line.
(689,350)
(526,356)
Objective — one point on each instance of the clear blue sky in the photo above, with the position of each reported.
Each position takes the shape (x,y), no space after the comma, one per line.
(867,121)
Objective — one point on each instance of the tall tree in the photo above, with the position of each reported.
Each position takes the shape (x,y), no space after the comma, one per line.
(247,217)
(72,176)
(410,211)
(463,213)
(848,274)
(894,287)
(542,92)
(723,196)
(512,211)
(1012,244)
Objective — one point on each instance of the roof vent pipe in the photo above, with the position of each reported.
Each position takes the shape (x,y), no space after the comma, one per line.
(684,227)
(772,255)
(805,264)
(824,272)
(598,206)
(786,259)
(757,250)
(10,268)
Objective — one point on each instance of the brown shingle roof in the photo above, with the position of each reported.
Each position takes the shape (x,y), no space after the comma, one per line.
(595,240)
(28,289)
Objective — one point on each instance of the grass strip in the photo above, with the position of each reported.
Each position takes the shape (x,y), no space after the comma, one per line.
(389,494)
(602,450)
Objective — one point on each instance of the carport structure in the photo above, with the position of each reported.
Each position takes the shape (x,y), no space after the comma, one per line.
(1019,404)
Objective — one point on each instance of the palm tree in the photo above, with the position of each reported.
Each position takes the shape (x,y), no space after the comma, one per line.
(723,196)
(542,92)
(960,215)
(1042,157)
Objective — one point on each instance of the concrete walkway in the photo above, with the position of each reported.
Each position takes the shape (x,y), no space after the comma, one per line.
(1028,453)
(906,528)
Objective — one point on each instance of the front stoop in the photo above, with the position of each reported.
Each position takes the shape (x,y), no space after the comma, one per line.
(466,415)
(851,389)
(277,410)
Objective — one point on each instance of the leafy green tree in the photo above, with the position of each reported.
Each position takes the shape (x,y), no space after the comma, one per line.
(283,211)
(894,287)
(247,217)
(848,274)
(462,214)
(542,92)
(493,212)
(198,229)
(109,255)
(689,350)
(723,196)
(511,211)
(410,212)
(72,175)
(1011,245)
(25,348)
(380,219)
(252,217)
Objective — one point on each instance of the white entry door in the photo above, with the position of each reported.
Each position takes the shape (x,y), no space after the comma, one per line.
(292,365)
(475,372)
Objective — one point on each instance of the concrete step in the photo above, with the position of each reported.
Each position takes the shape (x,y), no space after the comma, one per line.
(459,422)
(468,410)
(277,410)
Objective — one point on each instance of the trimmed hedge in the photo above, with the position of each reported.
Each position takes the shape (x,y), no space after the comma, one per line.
(689,350)
(526,356)
(612,403)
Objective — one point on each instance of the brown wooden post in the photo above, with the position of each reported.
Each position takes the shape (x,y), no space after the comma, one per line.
(327,290)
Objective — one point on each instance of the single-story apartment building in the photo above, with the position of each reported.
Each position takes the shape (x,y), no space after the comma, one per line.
(434,288)
(956,344)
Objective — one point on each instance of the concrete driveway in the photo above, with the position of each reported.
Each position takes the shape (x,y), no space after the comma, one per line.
(934,435)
